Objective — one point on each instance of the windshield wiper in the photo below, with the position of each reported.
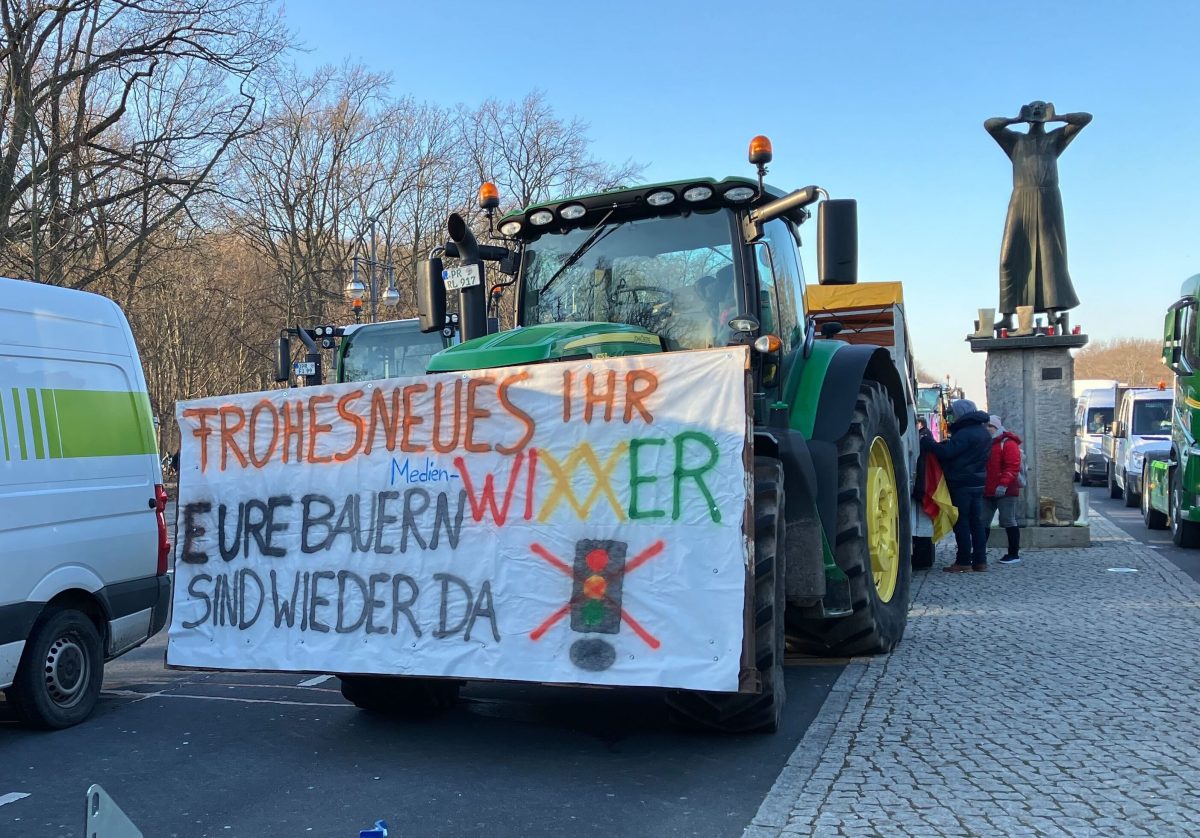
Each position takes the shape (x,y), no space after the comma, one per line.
(584,246)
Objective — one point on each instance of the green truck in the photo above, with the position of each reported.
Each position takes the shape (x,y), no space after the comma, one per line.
(697,264)
(1171,492)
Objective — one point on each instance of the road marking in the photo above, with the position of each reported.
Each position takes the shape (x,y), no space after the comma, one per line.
(312,682)
(12,797)
(241,700)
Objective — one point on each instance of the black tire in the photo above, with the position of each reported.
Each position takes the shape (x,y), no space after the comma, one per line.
(1183,533)
(1082,474)
(383,694)
(759,712)
(1154,519)
(1131,497)
(1114,491)
(61,670)
(874,626)
(922,552)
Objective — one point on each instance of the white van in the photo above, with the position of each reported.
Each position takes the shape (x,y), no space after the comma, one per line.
(1093,418)
(83,538)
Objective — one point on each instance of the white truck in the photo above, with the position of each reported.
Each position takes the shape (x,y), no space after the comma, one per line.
(1140,429)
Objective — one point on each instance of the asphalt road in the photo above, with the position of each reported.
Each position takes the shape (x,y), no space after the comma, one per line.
(231,754)
(1130,520)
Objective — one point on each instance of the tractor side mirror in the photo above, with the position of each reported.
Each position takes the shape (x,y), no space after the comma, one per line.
(431,295)
(283,359)
(837,242)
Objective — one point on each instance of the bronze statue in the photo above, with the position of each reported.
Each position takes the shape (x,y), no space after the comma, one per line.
(1033,255)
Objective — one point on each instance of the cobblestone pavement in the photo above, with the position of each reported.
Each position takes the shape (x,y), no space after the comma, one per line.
(1054,697)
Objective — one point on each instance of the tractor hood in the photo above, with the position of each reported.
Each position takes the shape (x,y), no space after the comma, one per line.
(546,342)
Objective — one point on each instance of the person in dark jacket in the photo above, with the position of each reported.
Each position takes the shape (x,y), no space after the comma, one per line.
(964,458)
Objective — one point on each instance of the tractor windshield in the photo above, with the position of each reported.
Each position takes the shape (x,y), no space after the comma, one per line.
(673,276)
(386,350)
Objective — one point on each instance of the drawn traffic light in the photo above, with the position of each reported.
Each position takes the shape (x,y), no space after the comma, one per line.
(598,578)
(597,586)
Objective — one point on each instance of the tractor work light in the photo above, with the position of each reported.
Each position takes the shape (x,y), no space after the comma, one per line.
(744,323)
(739,194)
(697,193)
(489,196)
(541,218)
(510,228)
(661,198)
(572,211)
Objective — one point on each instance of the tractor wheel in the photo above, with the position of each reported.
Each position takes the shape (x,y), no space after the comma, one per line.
(1154,519)
(1114,491)
(1131,497)
(761,711)
(922,552)
(1183,533)
(873,544)
(383,694)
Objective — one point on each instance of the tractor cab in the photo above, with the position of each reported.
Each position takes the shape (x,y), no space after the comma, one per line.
(691,264)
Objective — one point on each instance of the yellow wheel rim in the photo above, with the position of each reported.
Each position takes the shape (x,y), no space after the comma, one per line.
(883,519)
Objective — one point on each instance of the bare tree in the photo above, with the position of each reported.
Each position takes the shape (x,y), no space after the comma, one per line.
(532,154)
(113,116)
(1133,361)
(924,376)
(335,153)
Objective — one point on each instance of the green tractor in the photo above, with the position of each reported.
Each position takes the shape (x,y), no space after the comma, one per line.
(697,264)
(1170,495)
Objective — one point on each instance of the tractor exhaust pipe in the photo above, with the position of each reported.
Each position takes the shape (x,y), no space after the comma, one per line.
(472,301)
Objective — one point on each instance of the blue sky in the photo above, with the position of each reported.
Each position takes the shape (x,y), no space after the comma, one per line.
(879,101)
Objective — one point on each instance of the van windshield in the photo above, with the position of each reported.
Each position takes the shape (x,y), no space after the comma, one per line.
(1099,420)
(1151,418)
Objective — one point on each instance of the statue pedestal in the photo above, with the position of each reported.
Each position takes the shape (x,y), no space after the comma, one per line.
(1029,385)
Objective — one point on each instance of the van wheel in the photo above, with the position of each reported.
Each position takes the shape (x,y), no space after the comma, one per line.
(1131,497)
(383,694)
(61,670)
(1114,491)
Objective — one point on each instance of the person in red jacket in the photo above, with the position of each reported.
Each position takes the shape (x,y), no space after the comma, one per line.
(1002,489)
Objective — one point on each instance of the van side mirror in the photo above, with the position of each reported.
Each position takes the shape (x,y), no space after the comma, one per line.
(837,242)
(431,295)
(283,359)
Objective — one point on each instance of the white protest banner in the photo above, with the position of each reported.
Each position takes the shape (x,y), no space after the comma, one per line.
(577,522)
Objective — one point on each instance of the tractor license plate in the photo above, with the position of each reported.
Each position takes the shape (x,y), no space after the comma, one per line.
(305,367)
(464,276)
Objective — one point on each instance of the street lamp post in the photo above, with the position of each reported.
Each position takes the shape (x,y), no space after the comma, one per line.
(356,289)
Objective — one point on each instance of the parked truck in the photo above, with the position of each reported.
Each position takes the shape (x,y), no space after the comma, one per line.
(614,292)
(1171,495)
(1140,428)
